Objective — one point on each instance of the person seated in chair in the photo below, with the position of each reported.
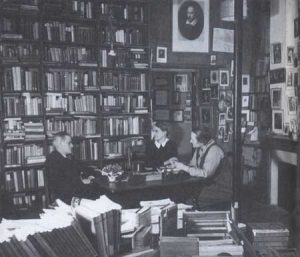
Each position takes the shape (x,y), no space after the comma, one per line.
(161,150)
(208,161)
(66,177)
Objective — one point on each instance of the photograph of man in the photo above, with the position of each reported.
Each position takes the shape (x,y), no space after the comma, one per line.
(190,20)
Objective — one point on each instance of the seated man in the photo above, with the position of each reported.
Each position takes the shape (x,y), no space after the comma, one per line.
(208,161)
(64,174)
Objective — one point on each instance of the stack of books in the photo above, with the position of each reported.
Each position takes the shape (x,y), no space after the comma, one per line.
(268,235)
(105,218)
(56,233)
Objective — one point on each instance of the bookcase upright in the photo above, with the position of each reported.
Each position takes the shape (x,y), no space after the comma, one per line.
(75,66)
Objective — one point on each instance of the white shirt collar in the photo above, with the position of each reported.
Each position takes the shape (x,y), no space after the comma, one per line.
(192,23)
(161,144)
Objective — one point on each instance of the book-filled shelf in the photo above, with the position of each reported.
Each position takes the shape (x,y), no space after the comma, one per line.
(75,66)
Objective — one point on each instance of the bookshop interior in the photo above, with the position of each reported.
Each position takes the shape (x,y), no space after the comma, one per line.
(145,128)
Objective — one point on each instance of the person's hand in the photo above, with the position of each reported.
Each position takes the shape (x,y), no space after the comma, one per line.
(87,180)
(180,166)
(171,162)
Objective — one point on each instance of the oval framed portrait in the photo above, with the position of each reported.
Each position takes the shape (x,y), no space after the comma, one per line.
(190,20)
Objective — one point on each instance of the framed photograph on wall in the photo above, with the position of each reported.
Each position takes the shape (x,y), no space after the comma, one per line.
(275,98)
(206,116)
(161,114)
(181,82)
(245,83)
(290,55)
(161,54)
(276,53)
(292,104)
(214,77)
(190,31)
(224,78)
(178,115)
(161,97)
(277,121)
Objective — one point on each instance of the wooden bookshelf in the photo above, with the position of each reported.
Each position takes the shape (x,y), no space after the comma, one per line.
(57,74)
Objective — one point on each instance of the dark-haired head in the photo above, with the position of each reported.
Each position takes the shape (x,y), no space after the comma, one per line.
(162,125)
(203,135)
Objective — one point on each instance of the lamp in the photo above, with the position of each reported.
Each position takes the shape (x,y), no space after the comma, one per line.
(227,10)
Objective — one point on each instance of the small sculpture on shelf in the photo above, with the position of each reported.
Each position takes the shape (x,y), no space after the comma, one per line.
(113,172)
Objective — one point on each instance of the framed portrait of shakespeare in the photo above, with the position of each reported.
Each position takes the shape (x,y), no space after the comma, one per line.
(190,31)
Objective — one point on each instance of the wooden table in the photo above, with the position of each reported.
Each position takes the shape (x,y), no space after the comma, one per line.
(129,193)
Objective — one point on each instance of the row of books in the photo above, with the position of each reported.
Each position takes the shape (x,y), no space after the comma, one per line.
(123,12)
(121,126)
(19,52)
(23,28)
(78,126)
(62,80)
(129,36)
(123,81)
(71,103)
(129,103)
(121,147)
(16,128)
(20,180)
(83,8)
(86,150)
(22,105)
(28,200)
(63,32)
(18,154)
(18,79)
(70,55)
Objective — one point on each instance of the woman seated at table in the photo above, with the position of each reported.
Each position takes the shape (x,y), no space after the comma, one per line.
(160,151)
(208,162)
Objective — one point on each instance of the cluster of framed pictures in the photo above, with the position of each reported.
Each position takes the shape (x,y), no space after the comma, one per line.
(172,103)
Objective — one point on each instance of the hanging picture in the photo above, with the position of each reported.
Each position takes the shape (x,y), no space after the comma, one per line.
(206,116)
(190,32)
(245,83)
(277,121)
(161,114)
(290,55)
(161,97)
(178,115)
(224,78)
(292,104)
(276,98)
(276,53)
(214,77)
(161,54)
(181,82)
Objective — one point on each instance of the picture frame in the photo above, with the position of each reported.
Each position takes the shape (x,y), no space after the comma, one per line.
(161,114)
(181,83)
(161,54)
(214,77)
(245,101)
(178,115)
(214,91)
(245,83)
(289,79)
(276,53)
(296,27)
(222,119)
(276,98)
(290,55)
(229,113)
(206,116)
(224,78)
(190,34)
(205,96)
(221,132)
(292,105)
(277,121)
(161,97)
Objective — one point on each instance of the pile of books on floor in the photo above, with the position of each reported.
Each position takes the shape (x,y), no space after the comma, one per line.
(104,217)
(204,234)
(56,233)
(268,235)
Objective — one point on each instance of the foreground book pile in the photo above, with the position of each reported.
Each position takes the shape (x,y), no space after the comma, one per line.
(205,234)
(104,217)
(55,234)
(268,235)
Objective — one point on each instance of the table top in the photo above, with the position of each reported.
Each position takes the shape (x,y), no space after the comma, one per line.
(131,185)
